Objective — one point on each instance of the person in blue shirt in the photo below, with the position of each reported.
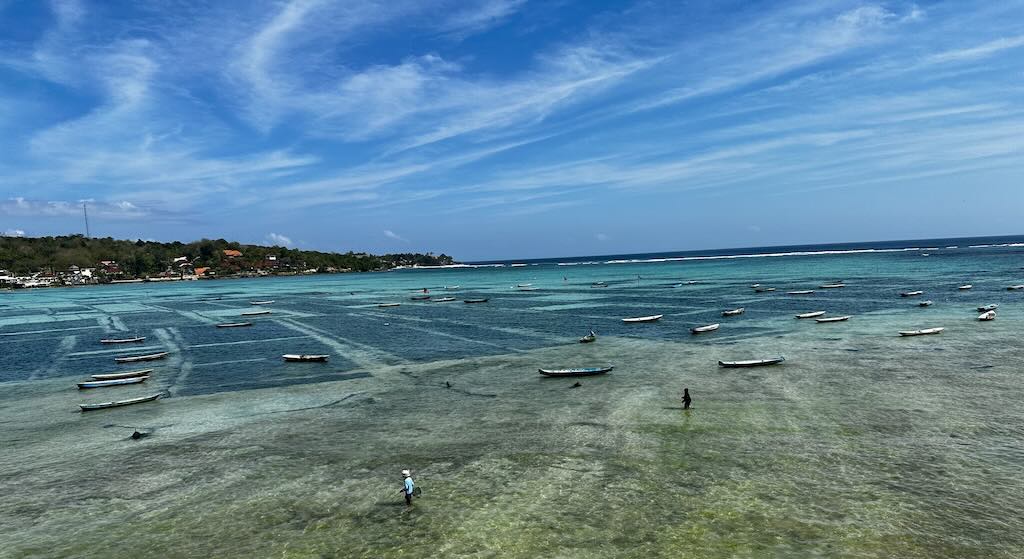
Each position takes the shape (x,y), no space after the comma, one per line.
(408,487)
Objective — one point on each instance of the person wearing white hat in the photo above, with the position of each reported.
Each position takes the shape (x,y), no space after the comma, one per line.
(408,487)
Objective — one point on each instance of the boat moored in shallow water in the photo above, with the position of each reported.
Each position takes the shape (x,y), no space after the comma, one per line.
(832,319)
(136,358)
(261,302)
(578,372)
(234,324)
(965,287)
(751,362)
(812,314)
(702,329)
(588,338)
(911,293)
(126,374)
(925,304)
(734,312)
(990,315)
(118,403)
(111,382)
(801,292)
(987,308)
(293,357)
(924,332)
(638,319)
(255,313)
(471,301)
(123,340)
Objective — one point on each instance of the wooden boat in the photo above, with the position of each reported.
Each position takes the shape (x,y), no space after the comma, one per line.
(588,338)
(802,292)
(832,319)
(925,304)
(255,313)
(990,315)
(734,312)
(987,308)
(305,358)
(1015,287)
(137,358)
(126,374)
(965,287)
(652,318)
(119,403)
(812,314)
(444,299)
(832,286)
(471,301)
(388,305)
(924,332)
(751,362)
(911,293)
(261,302)
(702,329)
(420,297)
(580,372)
(123,340)
(111,382)
(234,325)
(763,289)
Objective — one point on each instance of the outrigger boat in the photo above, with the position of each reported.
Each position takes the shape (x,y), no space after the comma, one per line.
(802,292)
(255,313)
(832,319)
(1015,287)
(126,374)
(581,372)
(123,340)
(987,308)
(305,358)
(751,362)
(965,287)
(104,405)
(911,293)
(734,312)
(702,329)
(652,318)
(261,302)
(444,299)
(388,305)
(234,325)
(111,382)
(420,297)
(137,358)
(831,286)
(813,314)
(925,304)
(470,301)
(924,332)
(763,289)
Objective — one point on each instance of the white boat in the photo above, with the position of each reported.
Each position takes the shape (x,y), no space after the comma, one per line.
(517,265)
(126,374)
(234,324)
(832,286)
(652,318)
(763,289)
(702,329)
(802,292)
(523,285)
(135,358)
(734,312)
(925,304)
(812,314)
(123,340)
(692,282)
(751,362)
(965,287)
(255,313)
(444,299)
(911,293)
(104,405)
(987,308)
(579,372)
(990,315)
(451,287)
(261,302)
(388,305)
(924,332)
(1015,287)
(111,382)
(832,319)
(305,358)
(755,286)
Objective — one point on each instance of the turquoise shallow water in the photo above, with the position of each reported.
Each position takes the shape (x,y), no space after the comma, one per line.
(863,444)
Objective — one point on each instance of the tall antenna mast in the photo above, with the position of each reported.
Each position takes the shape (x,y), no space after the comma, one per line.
(85,211)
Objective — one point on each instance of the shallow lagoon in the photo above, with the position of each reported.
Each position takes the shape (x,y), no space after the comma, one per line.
(862,444)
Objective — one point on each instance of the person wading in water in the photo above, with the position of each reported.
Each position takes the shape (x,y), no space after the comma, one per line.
(408,487)
(686,398)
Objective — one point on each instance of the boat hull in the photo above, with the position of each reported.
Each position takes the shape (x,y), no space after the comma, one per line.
(126,374)
(105,405)
(137,358)
(111,382)
(751,363)
(582,372)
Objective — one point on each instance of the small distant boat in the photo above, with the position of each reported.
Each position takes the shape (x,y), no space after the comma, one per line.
(388,305)
(517,265)
(470,301)
(990,315)
(734,312)
(911,293)
(965,287)
(987,308)
(104,405)
(234,325)
(763,289)
(580,372)
(925,254)
(652,318)
(420,297)
(444,299)
(925,304)
(832,286)
(924,332)
(702,329)
(803,292)
(692,282)
(812,314)
(451,287)
(137,358)
(1015,287)
(588,338)
(111,382)
(255,313)
(261,302)
(524,285)
(305,358)
(832,319)
(751,362)
(126,374)
(526,289)
(755,286)
(599,284)
(123,340)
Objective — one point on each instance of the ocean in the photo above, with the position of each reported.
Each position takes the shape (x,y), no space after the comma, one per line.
(862,444)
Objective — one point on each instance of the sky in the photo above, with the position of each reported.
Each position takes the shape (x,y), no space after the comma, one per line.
(490,129)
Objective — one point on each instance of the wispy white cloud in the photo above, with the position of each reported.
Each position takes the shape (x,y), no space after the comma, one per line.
(35,208)
(979,51)
(278,239)
(392,235)
(14,233)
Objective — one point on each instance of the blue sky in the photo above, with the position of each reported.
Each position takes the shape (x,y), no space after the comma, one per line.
(512,128)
